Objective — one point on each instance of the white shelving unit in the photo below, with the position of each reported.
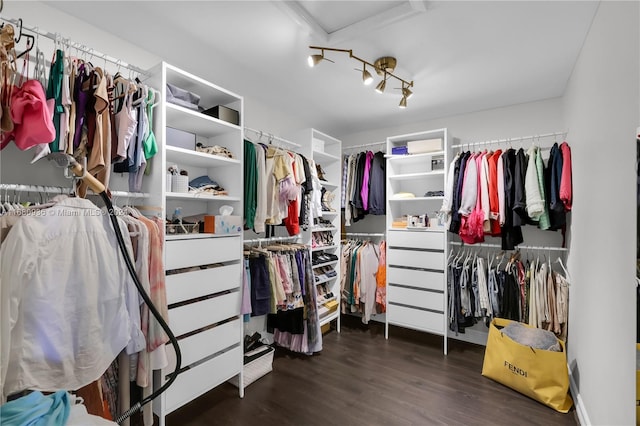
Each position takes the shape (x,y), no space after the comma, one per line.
(326,151)
(416,264)
(203,271)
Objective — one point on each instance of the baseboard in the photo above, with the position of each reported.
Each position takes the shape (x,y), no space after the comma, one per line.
(581,410)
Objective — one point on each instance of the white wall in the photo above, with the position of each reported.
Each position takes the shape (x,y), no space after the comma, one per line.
(601,112)
(526,119)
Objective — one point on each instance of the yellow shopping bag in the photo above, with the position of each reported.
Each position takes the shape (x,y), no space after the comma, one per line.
(536,373)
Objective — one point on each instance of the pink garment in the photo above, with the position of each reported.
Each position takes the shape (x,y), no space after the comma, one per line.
(566,193)
(32,117)
(471,226)
(364,191)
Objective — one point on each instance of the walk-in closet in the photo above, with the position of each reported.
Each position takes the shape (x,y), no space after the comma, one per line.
(319,212)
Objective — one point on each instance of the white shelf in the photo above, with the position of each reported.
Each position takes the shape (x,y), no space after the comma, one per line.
(320,265)
(326,280)
(210,94)
(436,230)
(414,158)
(200,196)
(394,200)
(195,122)
(323,156)
(329,318)
(197,159)
(198,236)
(321,248)
(333,228)
(411,176)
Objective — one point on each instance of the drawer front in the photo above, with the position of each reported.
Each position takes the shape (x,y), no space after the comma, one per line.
(417,298)
(416,278)
(201,251)
(194,382)
(417,239)
(189,285)
(199,346)
(194,316)
(416,319)
(416,259)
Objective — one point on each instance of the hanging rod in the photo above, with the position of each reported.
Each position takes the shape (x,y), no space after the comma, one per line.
(57,37)
(364,145)
(260,133)
(509,140)
(521,247)
(364,234)
(270,239)
(62,190)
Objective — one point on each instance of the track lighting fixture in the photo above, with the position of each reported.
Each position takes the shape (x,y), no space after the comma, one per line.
(383,66)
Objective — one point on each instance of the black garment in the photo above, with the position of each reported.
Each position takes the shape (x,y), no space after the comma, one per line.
(291,321)
(520,216)
(553,173)
(357,210)
(458,178)
(378,185)
(260,286)
(511,234)
(511,298)
(307,187)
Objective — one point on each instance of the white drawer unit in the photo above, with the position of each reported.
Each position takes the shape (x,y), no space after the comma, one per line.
(193,316)
(417,298)
(201,251)
(418,278)
(197,283)
(417,239)
(416,319)
(416,258)
(203,377)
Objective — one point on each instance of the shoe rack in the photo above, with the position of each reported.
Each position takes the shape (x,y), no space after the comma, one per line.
(323,235)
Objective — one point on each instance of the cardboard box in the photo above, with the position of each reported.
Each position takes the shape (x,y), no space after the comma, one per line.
(223,113)
(424,146)
(181,139)
(231,224)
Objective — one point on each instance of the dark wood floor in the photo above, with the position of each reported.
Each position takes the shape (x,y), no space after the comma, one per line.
(362,379)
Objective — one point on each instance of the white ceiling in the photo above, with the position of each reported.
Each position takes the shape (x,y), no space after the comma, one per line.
(462,56)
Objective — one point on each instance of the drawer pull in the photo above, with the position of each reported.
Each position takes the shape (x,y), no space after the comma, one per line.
(415,307)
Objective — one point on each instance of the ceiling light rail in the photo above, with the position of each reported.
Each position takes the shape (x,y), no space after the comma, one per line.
(383,66)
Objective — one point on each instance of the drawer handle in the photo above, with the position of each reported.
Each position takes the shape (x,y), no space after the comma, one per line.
(415,307)
(413,268)
(417,249)
(411,287)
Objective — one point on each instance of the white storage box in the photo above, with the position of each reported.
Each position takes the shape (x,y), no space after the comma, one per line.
(257,363)
(424,146)
(181,139)
(317,145)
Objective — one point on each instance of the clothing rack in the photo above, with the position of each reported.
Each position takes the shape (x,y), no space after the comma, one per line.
(364,145)
(521,247)
(57,38)
(509,140)
(62,190)
(272,137)
(270,239)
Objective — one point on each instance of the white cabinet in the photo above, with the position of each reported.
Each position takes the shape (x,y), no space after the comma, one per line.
(203,271)
(416,257)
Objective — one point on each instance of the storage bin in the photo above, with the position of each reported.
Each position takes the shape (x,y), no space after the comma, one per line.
(169,175)
(223,113)
(424,146)
(179,183)
(181,139)
(399,150)
(257,363)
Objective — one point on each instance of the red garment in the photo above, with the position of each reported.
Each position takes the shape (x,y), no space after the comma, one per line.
(494,202)
(292,221)
(566,195)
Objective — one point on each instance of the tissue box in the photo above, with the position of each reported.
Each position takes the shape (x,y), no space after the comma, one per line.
(231,224)
(423,146)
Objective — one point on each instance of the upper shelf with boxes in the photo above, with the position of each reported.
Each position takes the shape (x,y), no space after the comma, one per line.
(415,180)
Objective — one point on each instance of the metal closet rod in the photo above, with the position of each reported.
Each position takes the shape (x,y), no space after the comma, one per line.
(57,37)
(271,136)
(364,145)
(508,140)
(270,239)
(521,247)
(63,189)
(364,234)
